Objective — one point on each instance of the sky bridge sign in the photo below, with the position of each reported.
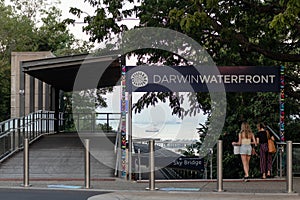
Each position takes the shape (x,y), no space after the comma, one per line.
(188,79)
(192,163)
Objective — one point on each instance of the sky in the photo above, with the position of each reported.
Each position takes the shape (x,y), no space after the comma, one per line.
(87,8)
(65,6)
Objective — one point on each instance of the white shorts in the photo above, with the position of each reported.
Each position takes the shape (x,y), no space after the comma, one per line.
(246,149)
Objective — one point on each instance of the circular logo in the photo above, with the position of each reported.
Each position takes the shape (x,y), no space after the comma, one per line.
(139,79)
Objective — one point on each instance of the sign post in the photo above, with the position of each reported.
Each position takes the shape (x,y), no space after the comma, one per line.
(123,122)
(282,99)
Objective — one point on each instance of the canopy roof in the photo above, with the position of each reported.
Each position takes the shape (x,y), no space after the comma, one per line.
(61,72)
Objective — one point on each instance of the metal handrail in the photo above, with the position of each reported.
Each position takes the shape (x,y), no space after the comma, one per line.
(279,157)
(15,130)
(117,146)
(274,133)
(87,121)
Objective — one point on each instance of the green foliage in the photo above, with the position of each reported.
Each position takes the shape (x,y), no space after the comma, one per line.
(15,35)
(287,18)
(31,26)
(104,127)
(235,33)
(16,32)
(86,101)
(4,90)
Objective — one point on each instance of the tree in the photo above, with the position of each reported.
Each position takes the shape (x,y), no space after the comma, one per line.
(234,33)
(259,33)
(15,35)
(21,31)
(4,90)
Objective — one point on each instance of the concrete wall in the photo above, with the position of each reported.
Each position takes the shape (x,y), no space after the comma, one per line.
(18,83)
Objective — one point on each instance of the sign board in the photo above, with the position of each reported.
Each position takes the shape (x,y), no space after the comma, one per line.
(192,163)
(190,79)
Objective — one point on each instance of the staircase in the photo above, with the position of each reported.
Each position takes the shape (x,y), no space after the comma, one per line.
(60,156)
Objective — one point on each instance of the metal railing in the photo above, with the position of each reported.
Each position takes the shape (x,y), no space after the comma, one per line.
(280,156)
(14,131)
(117,148)
(280,159)
(91,122)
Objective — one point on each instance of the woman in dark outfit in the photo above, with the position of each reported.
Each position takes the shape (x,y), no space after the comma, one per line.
(262,140)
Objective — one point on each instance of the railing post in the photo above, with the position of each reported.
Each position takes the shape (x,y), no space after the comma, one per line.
(26,163)
(280,161)
(78,124)
(107,122)
(87,167)
(18,133)
(93,122)
(41,122)
(13,136)
(220,166)
(139,163)
(33,125)
(289,167)
(48,122)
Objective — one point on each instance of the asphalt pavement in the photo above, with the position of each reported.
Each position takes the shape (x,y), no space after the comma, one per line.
(40,194)
(119,189)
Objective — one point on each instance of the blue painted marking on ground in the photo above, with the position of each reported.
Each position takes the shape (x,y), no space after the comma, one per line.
(65,186)
(180,189)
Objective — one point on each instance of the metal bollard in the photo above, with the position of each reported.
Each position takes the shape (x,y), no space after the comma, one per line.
(26,164)
(87,167)
(152,166)
(289,167)
(220,166)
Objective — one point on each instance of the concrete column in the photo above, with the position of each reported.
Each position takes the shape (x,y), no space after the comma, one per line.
(16,81)
(39,92)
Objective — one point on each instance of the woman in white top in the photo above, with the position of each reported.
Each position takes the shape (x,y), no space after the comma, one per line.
(246,138)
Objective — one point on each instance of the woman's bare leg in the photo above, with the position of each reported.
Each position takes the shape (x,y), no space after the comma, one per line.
(245,161)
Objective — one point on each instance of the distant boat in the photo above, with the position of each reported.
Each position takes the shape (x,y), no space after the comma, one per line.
(152,130)
(178,121)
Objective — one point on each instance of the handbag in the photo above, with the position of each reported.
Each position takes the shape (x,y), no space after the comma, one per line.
(236,150)
(271,146)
